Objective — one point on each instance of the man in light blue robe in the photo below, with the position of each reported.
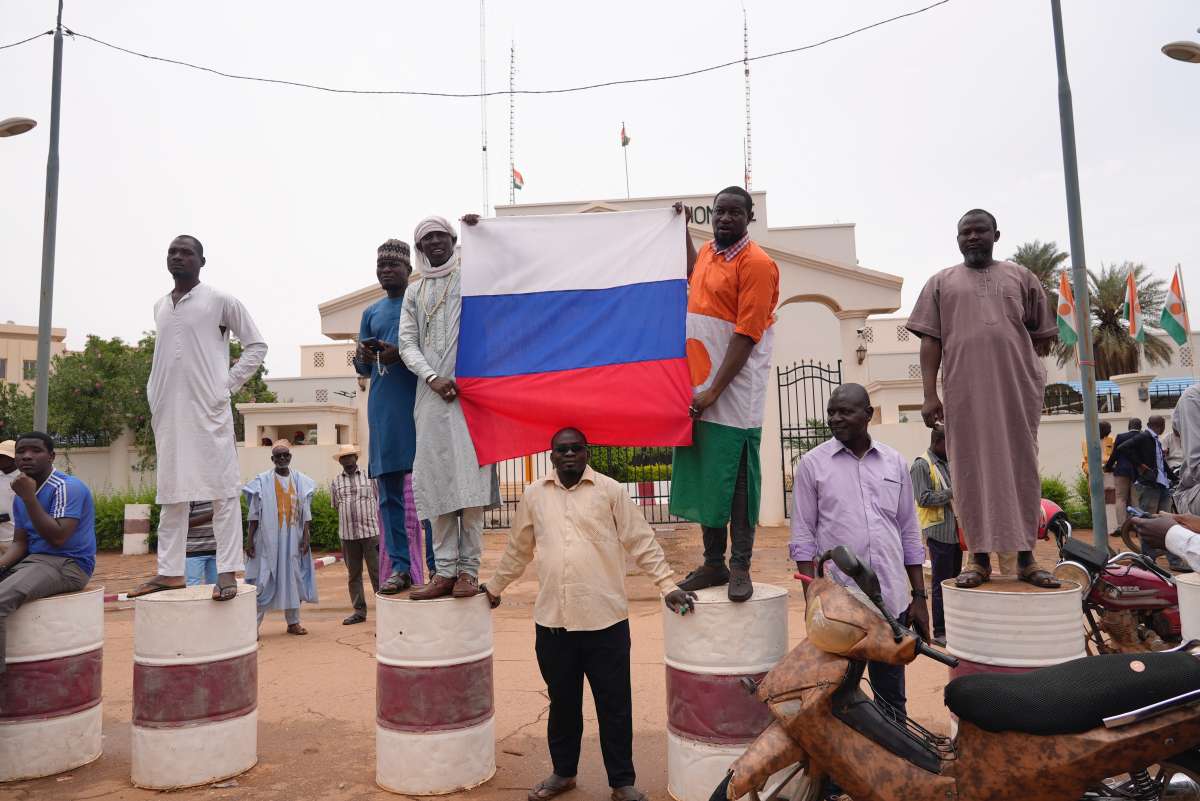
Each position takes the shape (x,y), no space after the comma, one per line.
(278,561)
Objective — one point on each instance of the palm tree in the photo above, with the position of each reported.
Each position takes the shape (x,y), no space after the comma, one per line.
(1115,351)
(1043,259)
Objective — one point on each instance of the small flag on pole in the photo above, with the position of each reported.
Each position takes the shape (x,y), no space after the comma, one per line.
(1133,310)
(518,179)
(624,136)
(1174,313)
(1066,312)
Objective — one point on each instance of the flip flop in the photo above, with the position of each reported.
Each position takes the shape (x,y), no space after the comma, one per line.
(1032,574)
(297,629)
(149,587)
(225,592)
(548,788)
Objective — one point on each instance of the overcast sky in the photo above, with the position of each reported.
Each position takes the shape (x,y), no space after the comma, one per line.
(898,129)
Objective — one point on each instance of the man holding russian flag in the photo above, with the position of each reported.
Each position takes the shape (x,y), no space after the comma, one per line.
(733,288)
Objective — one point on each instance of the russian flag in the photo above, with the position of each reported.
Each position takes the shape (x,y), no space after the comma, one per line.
(574,320)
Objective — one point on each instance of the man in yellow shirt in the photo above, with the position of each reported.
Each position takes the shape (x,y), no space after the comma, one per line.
(1106,445)
(582,524)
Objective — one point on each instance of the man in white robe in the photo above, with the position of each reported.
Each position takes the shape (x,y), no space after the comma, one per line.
(450,487)
(191,383)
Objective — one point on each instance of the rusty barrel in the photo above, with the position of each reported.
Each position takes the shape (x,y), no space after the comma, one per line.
(50,710)
(195,687)
(711,718)
(434,708)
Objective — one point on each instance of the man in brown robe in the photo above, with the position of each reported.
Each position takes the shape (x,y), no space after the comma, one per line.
(985,323)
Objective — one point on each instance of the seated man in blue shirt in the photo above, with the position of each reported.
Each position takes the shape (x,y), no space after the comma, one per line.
(54,532)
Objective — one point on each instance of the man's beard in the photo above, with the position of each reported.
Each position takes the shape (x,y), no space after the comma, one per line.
(977,258)
(723,242)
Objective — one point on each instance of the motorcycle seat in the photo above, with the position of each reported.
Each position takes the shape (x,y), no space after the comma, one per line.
(1073,697)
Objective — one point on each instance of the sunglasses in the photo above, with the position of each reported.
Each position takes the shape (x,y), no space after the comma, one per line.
(281,457)
(563,450)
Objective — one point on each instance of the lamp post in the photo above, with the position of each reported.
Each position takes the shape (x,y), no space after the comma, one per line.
(49,234)
(14,126)
(1183,50)
(1079,277)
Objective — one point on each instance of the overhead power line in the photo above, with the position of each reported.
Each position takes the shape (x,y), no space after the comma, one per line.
(565,90)
(30,39)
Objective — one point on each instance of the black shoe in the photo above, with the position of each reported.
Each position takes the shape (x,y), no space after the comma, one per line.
(740,585)
(396,583)
(703,577)
(357,617)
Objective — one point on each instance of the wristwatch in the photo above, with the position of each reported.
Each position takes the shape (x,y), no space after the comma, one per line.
(919,594)
(431,379)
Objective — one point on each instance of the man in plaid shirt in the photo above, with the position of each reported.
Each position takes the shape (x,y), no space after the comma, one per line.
(357,502)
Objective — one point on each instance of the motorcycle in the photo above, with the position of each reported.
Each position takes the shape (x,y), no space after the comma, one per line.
(1130,604)
(1052,734)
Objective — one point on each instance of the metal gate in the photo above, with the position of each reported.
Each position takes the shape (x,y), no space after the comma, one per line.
(804,390)
(644,472)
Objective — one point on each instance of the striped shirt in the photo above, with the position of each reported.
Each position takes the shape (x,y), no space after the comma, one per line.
(357,503)
(926,495)
(200,539)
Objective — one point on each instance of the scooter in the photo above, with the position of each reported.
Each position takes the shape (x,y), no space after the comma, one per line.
(1130,604)
(1052,734)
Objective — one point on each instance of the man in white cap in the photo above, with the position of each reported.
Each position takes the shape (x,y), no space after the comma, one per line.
(8,472)
(190,392)
(357,502)
(450,488)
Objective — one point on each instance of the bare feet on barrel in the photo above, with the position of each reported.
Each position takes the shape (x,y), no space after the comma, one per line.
(551,786)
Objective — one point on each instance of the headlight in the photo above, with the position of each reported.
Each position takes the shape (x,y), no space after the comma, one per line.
(831,636)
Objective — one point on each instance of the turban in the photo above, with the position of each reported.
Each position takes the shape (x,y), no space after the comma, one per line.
(393,249)
(431,224)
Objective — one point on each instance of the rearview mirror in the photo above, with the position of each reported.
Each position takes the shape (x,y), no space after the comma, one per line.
(846,561)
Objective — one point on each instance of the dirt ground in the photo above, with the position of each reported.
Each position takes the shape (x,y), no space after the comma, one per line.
(316,697)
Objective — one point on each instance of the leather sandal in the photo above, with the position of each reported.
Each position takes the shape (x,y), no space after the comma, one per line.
(974,575)
(550,787)
(1032,574)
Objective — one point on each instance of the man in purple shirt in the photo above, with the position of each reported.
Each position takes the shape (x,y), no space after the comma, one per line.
(854,492)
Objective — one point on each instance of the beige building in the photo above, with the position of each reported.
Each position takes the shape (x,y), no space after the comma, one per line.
(18,352)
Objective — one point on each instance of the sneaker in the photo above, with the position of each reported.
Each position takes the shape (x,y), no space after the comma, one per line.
(703,577)
(740,585)
(440,587)
(467,586)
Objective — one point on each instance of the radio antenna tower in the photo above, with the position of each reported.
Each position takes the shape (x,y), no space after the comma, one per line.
(746,69)
(483,103)
(512,123)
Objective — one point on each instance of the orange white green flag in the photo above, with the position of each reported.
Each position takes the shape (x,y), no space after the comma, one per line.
(1132,312)
(1174,314)
(1067,334)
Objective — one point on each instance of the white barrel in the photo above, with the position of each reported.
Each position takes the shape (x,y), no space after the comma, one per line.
(711,718)
(195,687)
(50,708)
(1188,585)
(1010,623)
(434,704)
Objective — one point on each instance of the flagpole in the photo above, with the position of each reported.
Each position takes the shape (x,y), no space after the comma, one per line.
(1083,322)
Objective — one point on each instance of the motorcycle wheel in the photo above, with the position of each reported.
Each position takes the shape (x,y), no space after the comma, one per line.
(1177,779)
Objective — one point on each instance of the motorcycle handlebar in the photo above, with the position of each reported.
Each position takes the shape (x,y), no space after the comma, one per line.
(938,656)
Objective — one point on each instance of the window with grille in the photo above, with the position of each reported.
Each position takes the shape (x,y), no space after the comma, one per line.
(319,359)
(3,369)
(29,369)
(349,358)
(901,333)
(1185,356)
(914,371)
(321,395)
(868,334)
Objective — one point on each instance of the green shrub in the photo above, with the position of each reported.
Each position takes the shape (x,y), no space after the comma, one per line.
(323,530)
(648,472)
(612,462)
(1055,489)
(110,517)
(1082,489)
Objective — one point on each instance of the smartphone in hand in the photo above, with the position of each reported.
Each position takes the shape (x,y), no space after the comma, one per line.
(1134,511)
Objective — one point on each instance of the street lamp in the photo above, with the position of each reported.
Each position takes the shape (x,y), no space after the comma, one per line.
(16,125)
(1183,50)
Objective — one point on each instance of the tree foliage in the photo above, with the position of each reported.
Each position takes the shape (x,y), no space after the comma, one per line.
(98,392)
(1044,260)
